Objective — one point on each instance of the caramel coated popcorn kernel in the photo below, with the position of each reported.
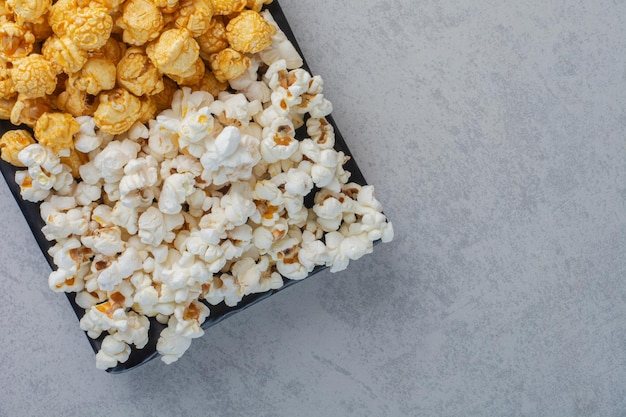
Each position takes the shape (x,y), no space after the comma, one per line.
(228,64)
(174,52)
(137,73)
(12,142)
(117,111)
(249,32)
(34,76)
(56,131)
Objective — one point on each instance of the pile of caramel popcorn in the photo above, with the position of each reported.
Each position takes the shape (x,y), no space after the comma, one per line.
(164,156)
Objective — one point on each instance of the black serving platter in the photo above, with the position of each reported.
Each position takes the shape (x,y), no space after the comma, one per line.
(218,312)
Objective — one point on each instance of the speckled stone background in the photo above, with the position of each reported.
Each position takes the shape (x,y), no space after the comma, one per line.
(494,132)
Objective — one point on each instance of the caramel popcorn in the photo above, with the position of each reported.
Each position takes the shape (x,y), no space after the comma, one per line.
(16,41)
(75,101)
(6,105)
(56,131)
(225,7)
(194,76)
(34,76)
(249,32)
(137,74)
(163,100)
(64,53)
(141,20)
(148,109)
(174,53)
(41,30)
(89,27)
(29,10)
(112,50)
(214,39)
(28,110)
(195,16)
(12,142)
(117,110)
(228,64)
(96,75)
(61,14)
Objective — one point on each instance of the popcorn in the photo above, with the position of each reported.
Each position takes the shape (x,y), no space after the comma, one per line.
(249,32)
(12,142)
(174,52)
(168,164)
(141,21)
(56,131)
(118,111)
(228,64)
(17,41)
(29,10)
(34,76)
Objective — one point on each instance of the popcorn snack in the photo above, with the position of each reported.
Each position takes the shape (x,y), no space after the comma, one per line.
(182,159)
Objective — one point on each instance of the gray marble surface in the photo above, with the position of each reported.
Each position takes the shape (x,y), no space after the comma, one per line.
(494,132)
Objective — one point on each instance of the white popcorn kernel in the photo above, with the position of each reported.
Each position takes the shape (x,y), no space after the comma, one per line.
(321,132)
(103,317)
(127,263)
(171,346)
(138,131)
(88,139)
(175,190)
(278,141)
(151,224)
(342,249)
(112,352)
(312,252)
(298,183)
(126,217)
(238,204)
(86,194)
(106,240)
(136,332)
(248,84)
(135,186)
(86,299)
(235,109)
(89,173)
(29,190)
(111,160)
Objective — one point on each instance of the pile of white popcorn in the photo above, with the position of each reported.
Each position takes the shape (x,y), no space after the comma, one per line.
(202,205)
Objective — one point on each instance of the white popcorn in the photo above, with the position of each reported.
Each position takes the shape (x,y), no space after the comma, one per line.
(248,84)
(182,164)
(135,187)
(112,351)
(181,328)
(86,194)
(312,251)
(125,217)
(321,132)
(151,227)
(189,120)
(111,160)
(281,47)
(127,263)
(136,332)
(175,190)
(103,317)
(29,190)
(235,109)
(278,140)
(88,139)
(46,173)
(230,157)
(342,249)
(298,183)
(106,240)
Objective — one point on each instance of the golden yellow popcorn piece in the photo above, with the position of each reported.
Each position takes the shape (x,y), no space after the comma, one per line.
(137,74)
(7,88)
(90,28)
(75,101)
(29,10)
(12,142)
(225,7)
(28,110)
(16,41)
(34,76)
(174,52)
(195,16)
(74,161)
(110,5)
(249,32)
(64,53)
(228,64)
(163,100)
(210,84)
(96,75)
(214,39)
(193,77)
(166,6)
(61,14)
(117,110)
(141,20)
(257,5)
(56,131)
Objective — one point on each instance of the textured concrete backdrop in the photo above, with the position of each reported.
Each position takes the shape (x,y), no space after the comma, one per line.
(494,132)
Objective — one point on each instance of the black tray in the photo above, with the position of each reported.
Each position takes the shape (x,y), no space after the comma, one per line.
(218,312)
